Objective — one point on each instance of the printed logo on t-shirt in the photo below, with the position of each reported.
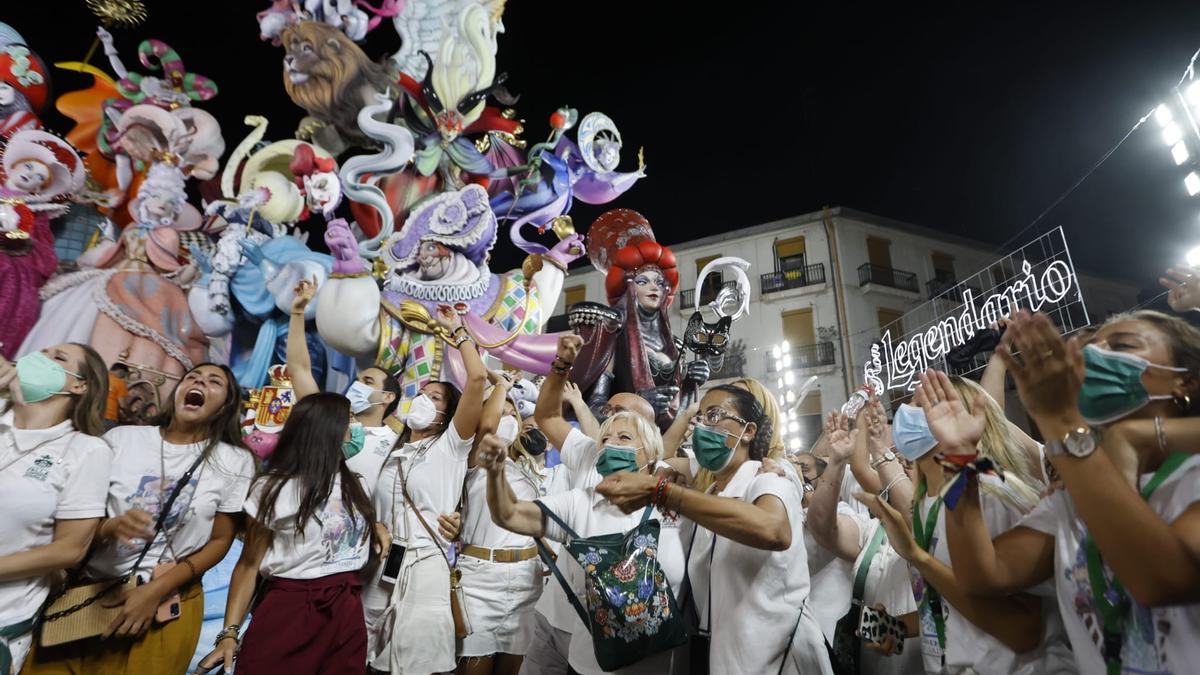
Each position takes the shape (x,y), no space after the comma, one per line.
(1141,643)
(341,534)
(41,468)
(150,497)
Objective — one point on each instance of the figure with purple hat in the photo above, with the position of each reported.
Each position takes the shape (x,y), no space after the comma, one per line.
(440,257)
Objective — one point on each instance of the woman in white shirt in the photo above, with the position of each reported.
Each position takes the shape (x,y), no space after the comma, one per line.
(409,623)
(628,443)
(501,575)
(199,428)
(747,565)
(53,479)
(1119,542)
(309,536)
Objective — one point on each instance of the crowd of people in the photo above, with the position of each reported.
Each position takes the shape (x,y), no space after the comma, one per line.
(938,536)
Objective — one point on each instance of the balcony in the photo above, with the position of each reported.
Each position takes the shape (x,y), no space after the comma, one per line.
(787,279)
(949,289)
(872,276)
(686,300)
(803,357)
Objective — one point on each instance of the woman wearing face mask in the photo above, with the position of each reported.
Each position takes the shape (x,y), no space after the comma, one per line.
(373,395)
(747,563)
(53,479)
(962,633)
(775,451)
(199,429)
(628,443)
(501,575)
(1121,556)
(309,535)
(409,623)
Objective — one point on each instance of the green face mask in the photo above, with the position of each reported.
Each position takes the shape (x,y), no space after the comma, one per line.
(358,437)
(614,458)
(711,447)
(1112,385)
(41,377)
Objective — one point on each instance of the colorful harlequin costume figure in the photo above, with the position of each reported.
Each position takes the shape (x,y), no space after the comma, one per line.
(630,347)
(438,258)
(40,171)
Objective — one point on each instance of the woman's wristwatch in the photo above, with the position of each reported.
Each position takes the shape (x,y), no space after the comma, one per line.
(887,456)
(1079,442)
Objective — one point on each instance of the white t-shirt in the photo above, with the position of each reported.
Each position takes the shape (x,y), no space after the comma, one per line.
(377,442)
(434,470)
(966,644)
(758,594)
(846,495)
(333,540)
(219,484)
(579,454)
(830,580)
(589,514)
(478,527)
(1162,639)
(46,475)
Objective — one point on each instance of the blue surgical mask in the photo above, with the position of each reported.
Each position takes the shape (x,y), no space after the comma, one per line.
(911,432)
(358,438)
(614,458)
(1112,385)
(360,397)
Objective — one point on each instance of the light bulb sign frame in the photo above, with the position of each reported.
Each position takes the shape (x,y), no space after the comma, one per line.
(1039,277)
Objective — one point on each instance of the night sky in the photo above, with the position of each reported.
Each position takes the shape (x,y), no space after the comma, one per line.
(967,119)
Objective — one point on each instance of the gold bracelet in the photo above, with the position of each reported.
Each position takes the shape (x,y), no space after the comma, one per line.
(191,568)
(555,263)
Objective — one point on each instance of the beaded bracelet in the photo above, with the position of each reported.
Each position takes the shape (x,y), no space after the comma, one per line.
(561,366)
(230,631)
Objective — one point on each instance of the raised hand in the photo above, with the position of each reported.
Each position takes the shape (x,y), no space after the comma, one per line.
(1049,373)
(305,291)
(492,453)
(841,439)
(449,318)
(1184,285)
(572,394)
(956,429)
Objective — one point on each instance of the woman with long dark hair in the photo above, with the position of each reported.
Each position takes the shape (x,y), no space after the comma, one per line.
(53,479)
(409,620)
(309,534)
(199,428)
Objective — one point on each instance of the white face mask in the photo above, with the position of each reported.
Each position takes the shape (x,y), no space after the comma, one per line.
(360,397)
(421,413)
(507,429)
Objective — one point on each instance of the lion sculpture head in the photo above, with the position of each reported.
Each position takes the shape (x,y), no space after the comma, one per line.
(329,76)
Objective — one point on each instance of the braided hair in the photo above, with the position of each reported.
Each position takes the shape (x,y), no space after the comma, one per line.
(749,409)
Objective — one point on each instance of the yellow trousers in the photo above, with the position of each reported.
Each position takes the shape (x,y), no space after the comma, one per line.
(166,649)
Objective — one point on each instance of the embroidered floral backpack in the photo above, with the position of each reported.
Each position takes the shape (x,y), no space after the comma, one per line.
(631,612)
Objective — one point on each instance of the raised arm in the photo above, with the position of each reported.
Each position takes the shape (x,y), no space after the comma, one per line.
(66,550)
(548,412)
(588,424)
(493,410)
(834,532)
(860,459)
(892,476)
(1015,620)
(507,512)
(299,363)
(673,438)
(470,406)
(993,378)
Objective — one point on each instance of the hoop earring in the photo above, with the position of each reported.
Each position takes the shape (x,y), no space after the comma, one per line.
(1183,404)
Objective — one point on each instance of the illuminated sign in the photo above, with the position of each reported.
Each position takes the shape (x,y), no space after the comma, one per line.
(1039,277)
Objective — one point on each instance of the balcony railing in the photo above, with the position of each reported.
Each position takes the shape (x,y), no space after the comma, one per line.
(809,275)
(686,300)
(948,288)
(870,273)
(802,357)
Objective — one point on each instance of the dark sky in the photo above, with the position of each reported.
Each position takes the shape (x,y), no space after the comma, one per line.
(968,118)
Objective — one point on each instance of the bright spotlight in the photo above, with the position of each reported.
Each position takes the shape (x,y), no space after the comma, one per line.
(1172,134)
(776,353)
(1193,93)
(785,346)
(789,378)
(1192,183)
(1179,152)
(791,396)
(1162,115)
(794,427)
(1193,257)
(787,360)
(780,384)
(778,365)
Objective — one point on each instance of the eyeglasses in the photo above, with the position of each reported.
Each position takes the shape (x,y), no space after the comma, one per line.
(714,415)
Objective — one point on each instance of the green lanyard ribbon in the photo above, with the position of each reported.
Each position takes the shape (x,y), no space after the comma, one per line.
(1111,599)
(930,598)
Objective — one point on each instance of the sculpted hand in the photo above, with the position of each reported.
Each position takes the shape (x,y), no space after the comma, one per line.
(568,250)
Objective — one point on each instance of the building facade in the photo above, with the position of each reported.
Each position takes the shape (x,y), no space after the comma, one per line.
(824,285)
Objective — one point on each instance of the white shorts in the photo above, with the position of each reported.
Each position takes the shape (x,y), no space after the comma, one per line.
(409,625)
(500,600)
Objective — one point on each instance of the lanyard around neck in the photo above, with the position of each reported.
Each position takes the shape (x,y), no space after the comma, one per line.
(924,536)
(1112,602)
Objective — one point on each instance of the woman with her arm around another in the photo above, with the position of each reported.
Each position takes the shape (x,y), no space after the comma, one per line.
(1122,559)
(199,428)
(748,565)
(53,479)
(410,624)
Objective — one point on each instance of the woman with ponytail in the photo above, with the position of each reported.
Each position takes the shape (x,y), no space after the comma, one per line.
(746,560)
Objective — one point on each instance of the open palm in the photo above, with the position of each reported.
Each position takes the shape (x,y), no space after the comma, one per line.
(841,439)
(956,429)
